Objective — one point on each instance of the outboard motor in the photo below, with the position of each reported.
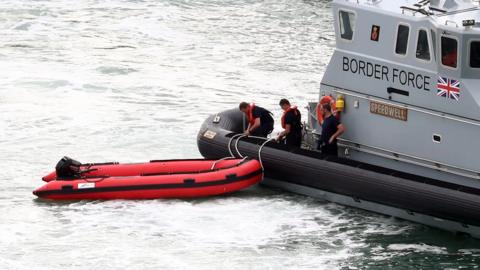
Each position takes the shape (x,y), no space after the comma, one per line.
(67,168)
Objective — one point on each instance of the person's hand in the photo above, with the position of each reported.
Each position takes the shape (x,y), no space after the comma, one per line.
(247,133)
(280,137)
(331,140)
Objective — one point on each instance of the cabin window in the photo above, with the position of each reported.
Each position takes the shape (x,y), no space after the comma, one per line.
(423,49)
(347,24)
(402,39)
(449,52)
(434,44)
(475,54)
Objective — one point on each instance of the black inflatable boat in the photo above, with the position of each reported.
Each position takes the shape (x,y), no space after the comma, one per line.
(428,201)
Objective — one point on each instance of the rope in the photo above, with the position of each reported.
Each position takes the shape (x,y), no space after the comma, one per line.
(236,144)
(240,136)
(94,181)
(256,137)
(215,163)
(260,152)
(230,143)
(242,160)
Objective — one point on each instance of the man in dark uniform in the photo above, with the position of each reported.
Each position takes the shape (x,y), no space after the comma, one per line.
(292,125)
(260,121)
(331,129)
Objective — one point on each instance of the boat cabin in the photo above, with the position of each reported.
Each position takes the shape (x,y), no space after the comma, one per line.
(409,75)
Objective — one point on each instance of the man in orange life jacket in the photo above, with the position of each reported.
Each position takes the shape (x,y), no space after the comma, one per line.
(331,129)
(260,121)
(292,125)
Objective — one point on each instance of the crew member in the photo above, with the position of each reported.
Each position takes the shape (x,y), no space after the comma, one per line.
(331,129)
(260,121)
(292,125)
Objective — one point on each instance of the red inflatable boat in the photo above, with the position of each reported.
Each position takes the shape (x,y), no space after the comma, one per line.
(155,179)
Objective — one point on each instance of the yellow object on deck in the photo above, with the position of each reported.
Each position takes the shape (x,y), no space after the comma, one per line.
(340,103)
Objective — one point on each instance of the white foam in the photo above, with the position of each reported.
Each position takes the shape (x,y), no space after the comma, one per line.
(132,81)
(418,248)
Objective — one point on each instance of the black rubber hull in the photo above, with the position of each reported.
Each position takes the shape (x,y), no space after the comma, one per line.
(306,168)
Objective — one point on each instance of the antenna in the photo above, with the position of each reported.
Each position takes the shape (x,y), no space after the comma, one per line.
(415,10)
(419,7)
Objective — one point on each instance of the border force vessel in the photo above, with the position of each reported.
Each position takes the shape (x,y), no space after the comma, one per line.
(405,81)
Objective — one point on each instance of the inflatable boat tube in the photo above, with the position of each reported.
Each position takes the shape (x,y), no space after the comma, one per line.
(346,181)
(155,179)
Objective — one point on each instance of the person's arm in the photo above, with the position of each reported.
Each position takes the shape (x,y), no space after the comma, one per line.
(254,126)
(248,128)
(285,132)
(340,131)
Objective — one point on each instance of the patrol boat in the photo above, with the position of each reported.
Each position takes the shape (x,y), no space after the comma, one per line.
(405,81)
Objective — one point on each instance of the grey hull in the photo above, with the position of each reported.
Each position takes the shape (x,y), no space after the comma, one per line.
(428,201)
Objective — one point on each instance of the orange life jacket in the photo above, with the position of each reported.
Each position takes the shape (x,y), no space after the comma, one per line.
(326,100)
(250,118)
(294,109)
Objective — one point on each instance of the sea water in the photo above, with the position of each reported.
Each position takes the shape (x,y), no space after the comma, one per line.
(132,81)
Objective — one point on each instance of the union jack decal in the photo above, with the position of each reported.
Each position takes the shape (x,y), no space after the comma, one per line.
(448,88)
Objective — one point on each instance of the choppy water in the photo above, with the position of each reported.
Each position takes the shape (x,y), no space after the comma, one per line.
(132,81)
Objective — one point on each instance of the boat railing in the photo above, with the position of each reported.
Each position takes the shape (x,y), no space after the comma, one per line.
(410,159)
(432,164)
(451,22)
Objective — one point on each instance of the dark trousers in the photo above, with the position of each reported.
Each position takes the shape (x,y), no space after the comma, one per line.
(294,140)
(329,149)
(263,130)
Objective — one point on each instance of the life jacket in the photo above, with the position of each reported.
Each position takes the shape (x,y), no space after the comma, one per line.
(250,118)
(295,111)
(326,100)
